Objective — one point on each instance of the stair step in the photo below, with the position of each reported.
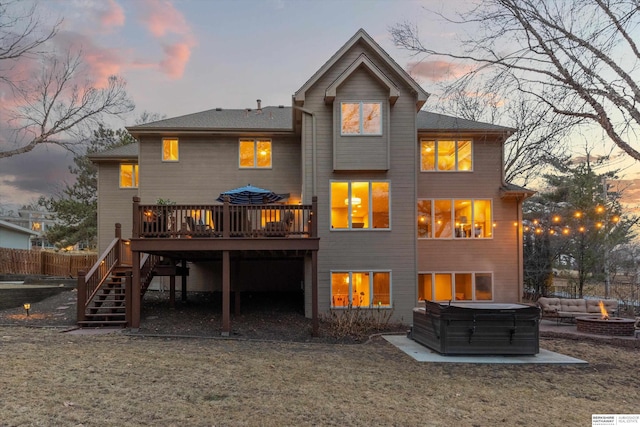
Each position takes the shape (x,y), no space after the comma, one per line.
(110,316)
(102,323)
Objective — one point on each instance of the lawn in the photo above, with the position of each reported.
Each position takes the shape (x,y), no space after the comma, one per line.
(49,378)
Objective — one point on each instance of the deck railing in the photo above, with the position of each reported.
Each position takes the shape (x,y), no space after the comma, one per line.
(117,253)
(225,220)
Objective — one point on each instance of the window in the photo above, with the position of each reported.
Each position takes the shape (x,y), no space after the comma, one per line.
(361,289)
(361,118)
(360,205)
(128,175)
(446,155)
(455,219)
(461,286)
(170,149)
(255,153)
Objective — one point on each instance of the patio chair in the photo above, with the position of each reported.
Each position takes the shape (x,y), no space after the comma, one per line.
(280,228)
(197,229)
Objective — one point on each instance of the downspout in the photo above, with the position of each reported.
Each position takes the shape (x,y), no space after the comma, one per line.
(313,148)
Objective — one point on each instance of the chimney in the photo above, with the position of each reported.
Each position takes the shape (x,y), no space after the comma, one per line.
(259,111)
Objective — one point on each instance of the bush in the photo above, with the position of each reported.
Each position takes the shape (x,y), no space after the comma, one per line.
(356,322)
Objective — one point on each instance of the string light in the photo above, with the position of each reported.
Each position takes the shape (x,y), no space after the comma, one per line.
(554,225)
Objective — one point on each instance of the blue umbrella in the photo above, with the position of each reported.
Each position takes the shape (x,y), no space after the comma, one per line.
(249,195)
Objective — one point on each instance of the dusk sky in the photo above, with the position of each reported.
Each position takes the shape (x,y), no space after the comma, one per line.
(184,56)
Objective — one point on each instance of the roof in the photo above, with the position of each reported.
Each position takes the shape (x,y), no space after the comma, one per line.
(361,35)
(13,227)
(427,121)
(219,119)
(129,151)
(508,190)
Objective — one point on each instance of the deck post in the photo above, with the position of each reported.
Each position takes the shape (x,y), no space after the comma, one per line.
(172,291)
(135,290)
(314,216)
(226,218)
(135,233)
(81,295)
(128,296)
(226,287)
(315,325)
(118,248)
(183,281)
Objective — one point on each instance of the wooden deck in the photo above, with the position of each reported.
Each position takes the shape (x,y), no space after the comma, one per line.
(215,232)
(201,232)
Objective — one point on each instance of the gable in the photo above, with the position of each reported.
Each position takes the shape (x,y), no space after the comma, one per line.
(364,39)
(363,62)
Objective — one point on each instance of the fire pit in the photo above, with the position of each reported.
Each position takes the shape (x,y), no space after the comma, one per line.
(605,325)
(614,326)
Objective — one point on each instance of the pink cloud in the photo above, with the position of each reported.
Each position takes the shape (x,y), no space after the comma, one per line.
(170,27)
(437,70)
(100,62)
(112,16)
(161,17)
(176,58)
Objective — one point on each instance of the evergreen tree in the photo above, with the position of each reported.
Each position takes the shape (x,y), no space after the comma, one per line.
(76,205)
(578,221)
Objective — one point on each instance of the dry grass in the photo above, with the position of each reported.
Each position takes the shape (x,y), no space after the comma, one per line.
(51,378)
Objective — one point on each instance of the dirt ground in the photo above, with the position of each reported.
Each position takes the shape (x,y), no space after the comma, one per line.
(261,378)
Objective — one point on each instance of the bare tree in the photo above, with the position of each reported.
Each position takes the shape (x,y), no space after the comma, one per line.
(579,58)
(58,104)
(22,33)
(535,144)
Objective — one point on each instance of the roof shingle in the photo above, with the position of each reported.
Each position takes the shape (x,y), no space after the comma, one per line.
(268,118)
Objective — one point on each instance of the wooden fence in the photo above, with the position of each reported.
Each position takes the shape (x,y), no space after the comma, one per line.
(18,261)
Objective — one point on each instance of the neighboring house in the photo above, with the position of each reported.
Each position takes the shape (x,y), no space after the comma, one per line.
(35,220)
(410,204)
(15,237)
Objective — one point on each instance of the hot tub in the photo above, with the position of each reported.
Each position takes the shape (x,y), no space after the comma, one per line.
(477,328)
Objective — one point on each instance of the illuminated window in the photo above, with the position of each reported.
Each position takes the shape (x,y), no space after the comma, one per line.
(360,205)
(255,153)
(370,289)
(464,286)
(446,155)
(128,175)
(455,219)
(170,149)
(361,118)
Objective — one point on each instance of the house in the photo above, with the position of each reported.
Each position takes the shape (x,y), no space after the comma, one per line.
(388,203)
(37,220)
(15,237)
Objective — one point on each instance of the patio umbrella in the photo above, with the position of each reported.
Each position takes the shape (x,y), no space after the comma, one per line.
(249,195)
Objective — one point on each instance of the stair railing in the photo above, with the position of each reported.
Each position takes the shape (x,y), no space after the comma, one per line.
(147,270)
(89,282)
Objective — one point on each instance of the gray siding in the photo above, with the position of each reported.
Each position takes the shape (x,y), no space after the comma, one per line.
(208,165)
(114,205)
(500,254)
(360,152)
(368,250)
(14,239)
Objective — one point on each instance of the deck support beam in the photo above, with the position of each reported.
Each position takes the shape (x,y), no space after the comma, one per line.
(226,291)
(184,280)
(315,324)
(172,291)
(135,290)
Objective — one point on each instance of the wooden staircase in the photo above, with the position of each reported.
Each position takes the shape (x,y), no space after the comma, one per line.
(108,306)
(102,292)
